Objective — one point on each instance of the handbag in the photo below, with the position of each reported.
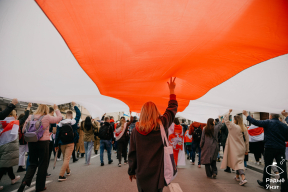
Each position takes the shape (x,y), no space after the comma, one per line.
(170,169)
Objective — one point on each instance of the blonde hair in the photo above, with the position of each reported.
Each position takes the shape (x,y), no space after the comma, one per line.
(42,110)
(12,113)
(239,121)
(149,117)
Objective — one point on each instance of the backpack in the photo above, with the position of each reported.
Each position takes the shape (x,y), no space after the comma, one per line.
(197,134)
(66,133)
(34,130)
(131,127)
(104,132)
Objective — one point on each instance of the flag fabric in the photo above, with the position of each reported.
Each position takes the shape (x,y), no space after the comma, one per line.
(176,140)
(119,132)
(9,146)
(255,133)
(187,137)
(286,150)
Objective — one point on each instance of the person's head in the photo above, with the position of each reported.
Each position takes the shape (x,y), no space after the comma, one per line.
(107,119)
(111,117)
(20,117)
(42,110)
(176,121)
(69,115)
(88,123)
(274,116)
(13,113)
(122,118)
(149,117)
(51,111)
(217,120)
(239,121)
(209,129)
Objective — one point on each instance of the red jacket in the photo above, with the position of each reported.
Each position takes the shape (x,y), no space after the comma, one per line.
(195,125)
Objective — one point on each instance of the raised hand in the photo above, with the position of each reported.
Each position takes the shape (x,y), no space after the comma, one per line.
(284,113)
(73,103)
(29,106)
(245,113)
(172,85)
(55,107)
(230,110)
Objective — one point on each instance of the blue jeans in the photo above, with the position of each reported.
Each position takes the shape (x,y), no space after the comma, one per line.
(245,163)
(196,145)
(88,148)
(105,144)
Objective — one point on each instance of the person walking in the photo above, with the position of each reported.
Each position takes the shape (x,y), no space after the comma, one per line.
(80,145)
(39,151)
(122,138)
(188,144)
(256,142)
(9,147)
(52,138)
(209,147)
(224,136)
(106,135)
(146,152)
(275,133)
(237,146)
(89,130)
(97,139)
(66,136)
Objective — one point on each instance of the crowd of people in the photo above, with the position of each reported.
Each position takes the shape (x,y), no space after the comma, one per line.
(139,143)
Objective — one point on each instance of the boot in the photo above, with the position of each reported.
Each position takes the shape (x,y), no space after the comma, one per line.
(20,169)
(96,151)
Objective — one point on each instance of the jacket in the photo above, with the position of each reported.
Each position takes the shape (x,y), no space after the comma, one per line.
(46,121)
(235,147)
(224,134)
(274,132)
(89,135)
(21,123)
(209,146)
(111,131)
(195,125)
(146,152)
(74,127)
(7,111)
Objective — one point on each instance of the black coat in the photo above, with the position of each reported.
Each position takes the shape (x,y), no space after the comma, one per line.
(7,111)
(146,153)
(21,123)
(224,134)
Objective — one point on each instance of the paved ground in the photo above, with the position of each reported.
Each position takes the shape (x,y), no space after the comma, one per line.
(112,178)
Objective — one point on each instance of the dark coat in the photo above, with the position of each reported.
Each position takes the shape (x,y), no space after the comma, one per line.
(209,146)
(224,134)
(21,124)
(274,132)
(146,153)
(7,111)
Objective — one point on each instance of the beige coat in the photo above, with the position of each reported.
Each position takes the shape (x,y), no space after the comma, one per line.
(80,144)
(235,147)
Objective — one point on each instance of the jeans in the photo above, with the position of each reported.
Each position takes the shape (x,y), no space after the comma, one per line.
(88,148)
(67,152)
(9,170)
(245,163)
(196,145)
(105,144)
(211,169)
(279,155)
(38,158)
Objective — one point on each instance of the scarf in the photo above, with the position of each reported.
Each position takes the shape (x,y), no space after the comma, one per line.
(66,121)
(119,132)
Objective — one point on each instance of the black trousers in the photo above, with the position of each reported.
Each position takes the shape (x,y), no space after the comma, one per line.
(211,169)
(8,170)
(279,155)
(59,152)
(73,153)
(51,146)
(38,158)
(122,150)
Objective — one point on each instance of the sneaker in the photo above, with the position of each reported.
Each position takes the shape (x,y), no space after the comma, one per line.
(58,159)
(20,169)
(102,164)
(257,163)
(191,160)
(62,178)
(119,164)
(125,162)
(199,166)
(277,176)
(1,188)
(15,180)
(110,162)
(227,170)
(68,174)
(243,182)
(233,171)
(237,179)
(188,158)
(214,176)
(48,175)
(260,183)
(75,160)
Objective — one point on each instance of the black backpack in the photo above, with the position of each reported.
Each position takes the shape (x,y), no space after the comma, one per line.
(67,133)
(104,132)
(197,134)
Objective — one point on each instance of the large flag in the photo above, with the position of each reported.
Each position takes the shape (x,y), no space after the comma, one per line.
(120,54)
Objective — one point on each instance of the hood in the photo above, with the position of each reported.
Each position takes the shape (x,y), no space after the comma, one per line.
(197,124)
(178,129)
(142,132)
(65,121)
(111,120)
